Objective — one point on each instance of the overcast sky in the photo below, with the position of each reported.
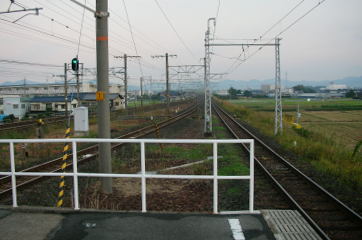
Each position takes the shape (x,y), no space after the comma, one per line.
(324,45)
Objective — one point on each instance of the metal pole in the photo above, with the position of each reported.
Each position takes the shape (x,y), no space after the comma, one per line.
(66,95)
(77,74)
(141,85)
(125,81)
(103,116)
(167,86)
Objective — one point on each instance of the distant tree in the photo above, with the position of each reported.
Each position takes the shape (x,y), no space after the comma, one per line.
(304,89)
(248,93)
(351,94)
(232,92)
(298,88)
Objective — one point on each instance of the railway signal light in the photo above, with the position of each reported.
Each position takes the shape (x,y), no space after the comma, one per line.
(75,64)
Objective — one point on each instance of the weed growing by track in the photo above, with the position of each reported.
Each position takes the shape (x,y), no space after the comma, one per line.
(325,154)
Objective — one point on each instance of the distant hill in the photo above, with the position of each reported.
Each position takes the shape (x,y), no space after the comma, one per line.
(20,82)
(352,82)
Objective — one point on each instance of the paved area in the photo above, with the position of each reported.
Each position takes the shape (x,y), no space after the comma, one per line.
(289,224)
(96,225)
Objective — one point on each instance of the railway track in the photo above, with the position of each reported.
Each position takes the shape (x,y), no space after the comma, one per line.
(331,218)
(29,123)
(84,155)
(60,119)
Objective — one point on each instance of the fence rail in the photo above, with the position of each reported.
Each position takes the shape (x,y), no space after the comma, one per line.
(143,175)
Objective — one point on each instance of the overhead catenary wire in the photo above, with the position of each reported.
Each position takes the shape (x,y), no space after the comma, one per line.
(81,28)
(29,63)
(131,32)
(281,19)
(115,40)
(241,61)
(174,29)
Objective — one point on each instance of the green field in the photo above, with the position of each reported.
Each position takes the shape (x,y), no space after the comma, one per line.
(330,131)
(291,104)
(145,102)
(340,119)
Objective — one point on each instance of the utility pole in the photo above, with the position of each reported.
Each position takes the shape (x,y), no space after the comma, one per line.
(102,98)
(278,121)
(141,86)
(167,78)
(77,74)
(207,61)
(125,57)
(66,95)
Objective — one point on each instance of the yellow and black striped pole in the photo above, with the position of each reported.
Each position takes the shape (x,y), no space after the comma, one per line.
(66,153)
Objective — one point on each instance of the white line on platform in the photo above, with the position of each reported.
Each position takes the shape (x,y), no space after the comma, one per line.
(236,229)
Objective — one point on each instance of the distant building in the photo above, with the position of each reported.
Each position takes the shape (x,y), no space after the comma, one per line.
(267,88)
(51,103)
(54,89)
(335,87)
(222,92)
(16,105)
(57,104)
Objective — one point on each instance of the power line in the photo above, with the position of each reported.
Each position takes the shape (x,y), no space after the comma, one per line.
(300,18)
(216,17)
(174,29)
(29,63)
(280,20)
(81,28)
(45,33)
(230,70)
(130,30)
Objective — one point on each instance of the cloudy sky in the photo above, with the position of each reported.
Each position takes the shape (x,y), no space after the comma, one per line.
(324,45)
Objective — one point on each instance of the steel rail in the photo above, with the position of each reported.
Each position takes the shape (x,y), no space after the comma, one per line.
(93,151)
(57,119)
(219,110)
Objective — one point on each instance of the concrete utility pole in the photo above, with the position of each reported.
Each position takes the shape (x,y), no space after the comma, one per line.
(167,78)
(207,61)
(77,74)
(278,121)
(102,95)
(141,86)
(66,95)
(125,58)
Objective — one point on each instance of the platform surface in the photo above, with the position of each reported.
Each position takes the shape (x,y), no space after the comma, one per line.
(95,225)
(289,224)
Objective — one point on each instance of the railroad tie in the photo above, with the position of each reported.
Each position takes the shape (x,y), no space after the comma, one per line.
(66,153)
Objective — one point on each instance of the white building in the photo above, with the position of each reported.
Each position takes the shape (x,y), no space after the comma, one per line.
(335,87)
(54,89)
(16,105)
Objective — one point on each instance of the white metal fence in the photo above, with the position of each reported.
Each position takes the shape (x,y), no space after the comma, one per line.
(142,175)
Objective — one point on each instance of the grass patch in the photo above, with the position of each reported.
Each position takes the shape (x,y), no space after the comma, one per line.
(320,149)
